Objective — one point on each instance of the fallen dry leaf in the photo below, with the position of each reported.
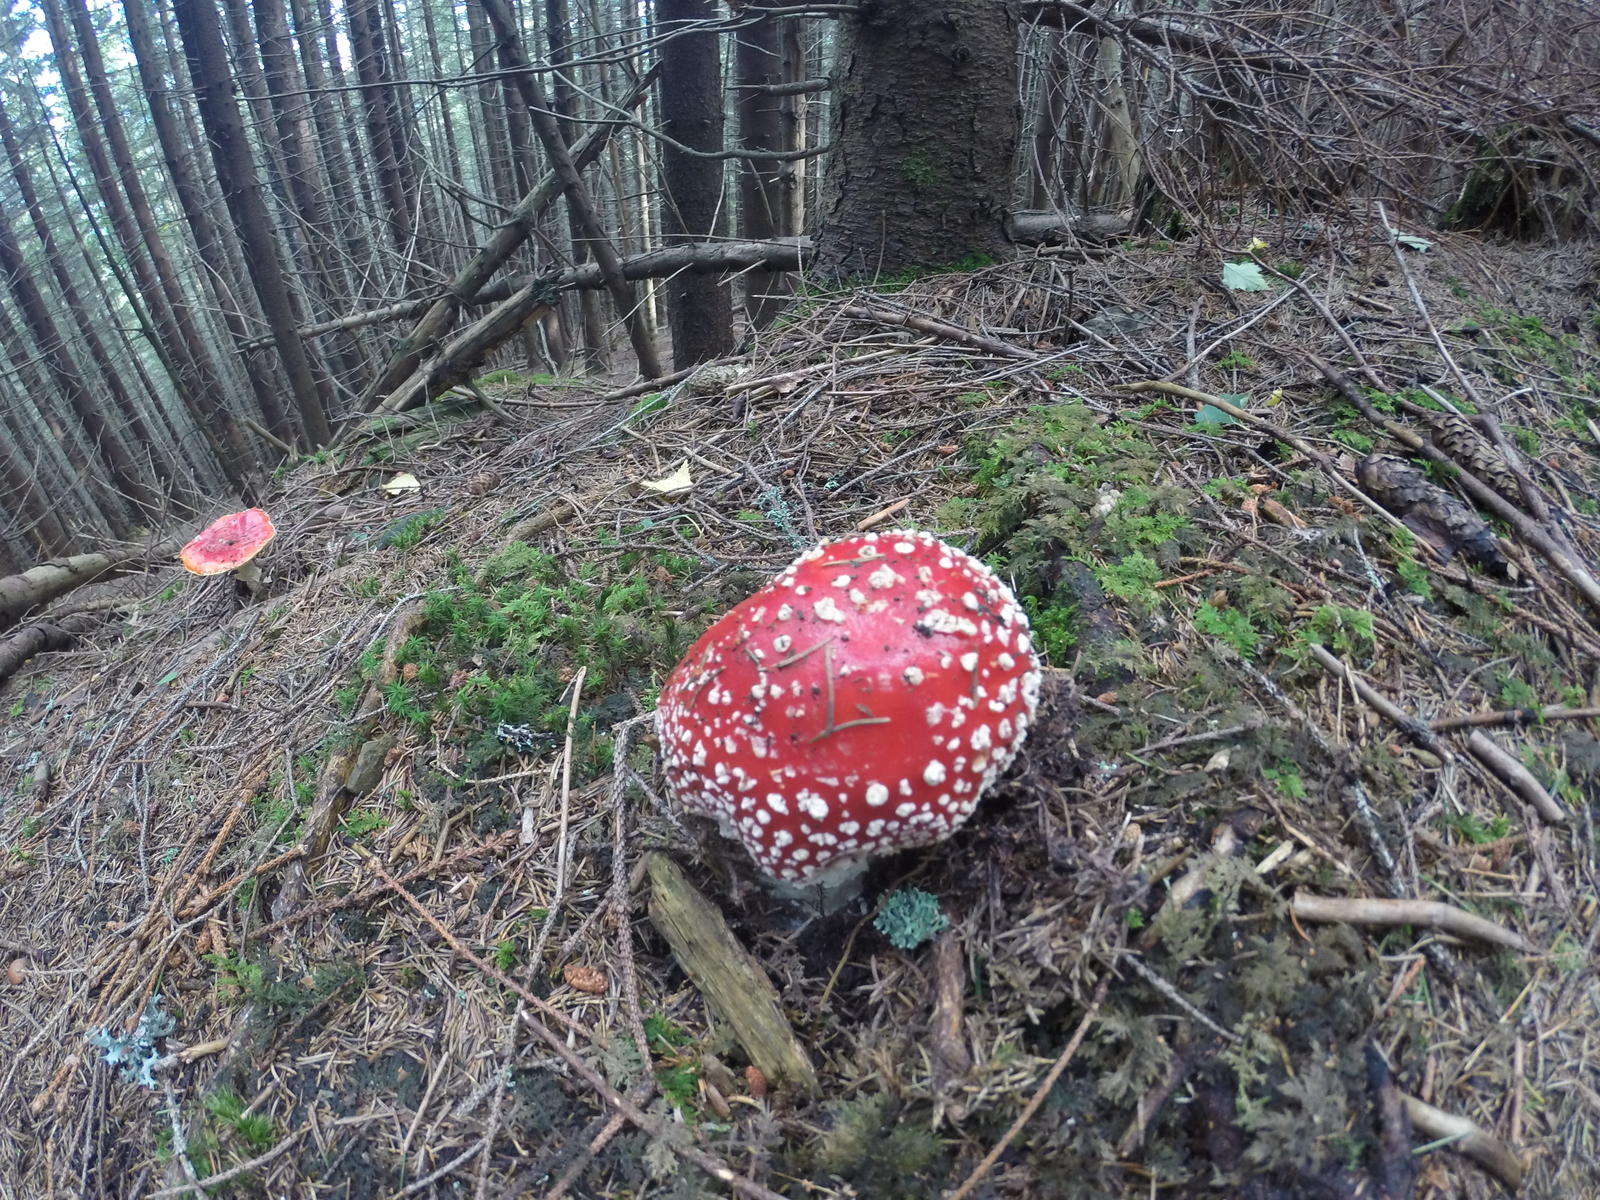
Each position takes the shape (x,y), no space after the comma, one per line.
(585,979)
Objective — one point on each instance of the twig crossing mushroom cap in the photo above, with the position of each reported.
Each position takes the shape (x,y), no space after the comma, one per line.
(229,543)
(860,703)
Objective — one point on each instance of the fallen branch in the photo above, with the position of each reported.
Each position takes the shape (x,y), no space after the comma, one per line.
(1516,777)
(1431,913)
(42,637)
(1514,716)
(1418,731)
(41,584)
(940,329)
(1483,1148)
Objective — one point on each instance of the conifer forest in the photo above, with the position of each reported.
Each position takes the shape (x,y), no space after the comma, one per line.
(427,767)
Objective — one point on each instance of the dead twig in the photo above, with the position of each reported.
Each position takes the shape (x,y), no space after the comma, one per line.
(1515,776)
(980,1171)
(1432,913)
(1483,1148)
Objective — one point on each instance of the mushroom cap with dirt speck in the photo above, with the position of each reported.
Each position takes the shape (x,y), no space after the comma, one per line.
(229,543)
(859,704)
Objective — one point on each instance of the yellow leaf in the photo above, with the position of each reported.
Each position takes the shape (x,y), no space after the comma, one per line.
(1275,398)
(403,482)
(1255,244)
(678,481)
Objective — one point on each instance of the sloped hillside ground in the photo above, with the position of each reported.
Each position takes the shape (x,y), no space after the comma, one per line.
(435,1003)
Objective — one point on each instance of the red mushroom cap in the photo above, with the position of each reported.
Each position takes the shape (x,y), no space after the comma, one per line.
(229,543)
(859,703)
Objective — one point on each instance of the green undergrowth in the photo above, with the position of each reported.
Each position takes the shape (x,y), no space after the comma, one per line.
(497,651)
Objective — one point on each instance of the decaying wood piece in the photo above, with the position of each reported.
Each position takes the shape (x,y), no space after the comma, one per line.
(1515,776)
(1432,913)
(41,584)
(43,636)
(941,329)
(726,974)
(1483,1148)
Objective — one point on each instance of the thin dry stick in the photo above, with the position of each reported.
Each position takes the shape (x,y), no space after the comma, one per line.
(488,968)
(1043,1090)
(1515,776)
(1432,913)
(244,1168)
(566,790)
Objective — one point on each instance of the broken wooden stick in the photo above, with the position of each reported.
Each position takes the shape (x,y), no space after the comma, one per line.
(1352,910)
(727,975)
(1515,776)
(1483,1148)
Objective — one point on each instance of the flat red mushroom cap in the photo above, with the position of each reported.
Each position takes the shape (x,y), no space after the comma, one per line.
(230,543)
(860,703)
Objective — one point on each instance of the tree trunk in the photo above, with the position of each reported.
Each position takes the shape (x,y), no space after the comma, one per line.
(366,46)
(42,584)
(297,148)
(698,306)
(558,30)
(30,507)
(194,372)
(1050,109)
(758,64)
(514,58)
(197,212)
(1116,172)
(350,244)
(138,430)
(108,446)
(925,133)
(236,175)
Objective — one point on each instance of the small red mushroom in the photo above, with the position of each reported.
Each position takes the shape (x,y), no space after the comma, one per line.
(231,544)
(858,704)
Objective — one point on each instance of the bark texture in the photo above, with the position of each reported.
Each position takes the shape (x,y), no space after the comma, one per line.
(699,307)
(925,132)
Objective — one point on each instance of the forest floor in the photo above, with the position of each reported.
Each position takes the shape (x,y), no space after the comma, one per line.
(437,1004)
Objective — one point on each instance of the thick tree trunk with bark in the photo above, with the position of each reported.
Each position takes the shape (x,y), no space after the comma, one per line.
(42,584)
(698,306)
(758,65)
(236,174)
(925,131)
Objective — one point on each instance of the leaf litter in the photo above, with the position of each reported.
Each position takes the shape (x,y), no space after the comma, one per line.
(1198,764)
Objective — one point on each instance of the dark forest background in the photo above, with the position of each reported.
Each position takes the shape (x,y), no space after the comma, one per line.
(230,228)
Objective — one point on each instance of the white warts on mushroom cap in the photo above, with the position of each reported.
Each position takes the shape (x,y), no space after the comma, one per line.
(906,671)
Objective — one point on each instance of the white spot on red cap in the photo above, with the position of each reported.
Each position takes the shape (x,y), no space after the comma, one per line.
(877,794)
(827,610)
(933,773)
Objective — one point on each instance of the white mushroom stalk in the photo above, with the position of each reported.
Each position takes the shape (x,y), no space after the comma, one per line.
(859,704)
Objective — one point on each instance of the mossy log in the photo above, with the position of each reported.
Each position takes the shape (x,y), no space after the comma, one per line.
(727,975)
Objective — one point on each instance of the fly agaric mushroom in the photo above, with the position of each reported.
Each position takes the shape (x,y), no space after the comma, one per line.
(231,544)
(858,704)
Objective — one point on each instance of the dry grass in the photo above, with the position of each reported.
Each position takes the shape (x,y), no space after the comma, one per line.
(376,1035)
